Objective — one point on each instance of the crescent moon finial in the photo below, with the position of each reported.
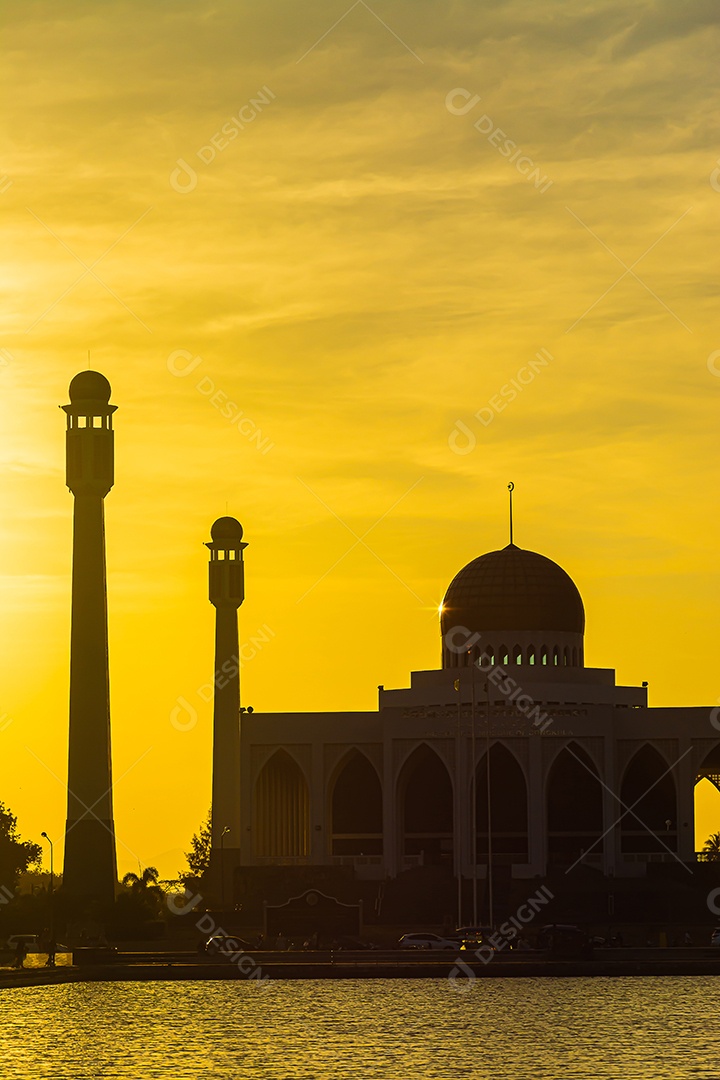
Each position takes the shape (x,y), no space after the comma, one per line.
(511,488)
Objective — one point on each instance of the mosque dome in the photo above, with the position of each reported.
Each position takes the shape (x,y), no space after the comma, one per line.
(520,594)
(226,528)
(513,589)
(90,386)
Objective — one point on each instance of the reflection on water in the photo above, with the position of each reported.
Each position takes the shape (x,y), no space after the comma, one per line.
(604,1029)
(35,960)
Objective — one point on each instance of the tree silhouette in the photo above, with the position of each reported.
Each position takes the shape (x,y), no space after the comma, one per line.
(145,885)
(144,889)
(16,855)
(198,858)
(712,847)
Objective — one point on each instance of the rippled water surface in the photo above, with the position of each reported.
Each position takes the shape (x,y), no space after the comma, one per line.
(417,1030)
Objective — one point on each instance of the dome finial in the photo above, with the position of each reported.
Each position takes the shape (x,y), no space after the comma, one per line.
(511,488)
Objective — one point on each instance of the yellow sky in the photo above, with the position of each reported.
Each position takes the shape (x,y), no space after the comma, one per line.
(357,268)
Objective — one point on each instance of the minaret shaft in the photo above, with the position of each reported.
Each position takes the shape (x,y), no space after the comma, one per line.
(226,728)
(89,768)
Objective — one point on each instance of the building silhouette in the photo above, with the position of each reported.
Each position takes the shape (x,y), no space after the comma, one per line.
(512,761)
(90,865)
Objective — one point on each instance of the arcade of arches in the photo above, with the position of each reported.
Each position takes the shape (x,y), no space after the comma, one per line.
(579,815)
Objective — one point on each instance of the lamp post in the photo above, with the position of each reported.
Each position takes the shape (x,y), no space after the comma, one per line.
(491,913)
(458,847)
(51,944)
(473,788)
(223,834)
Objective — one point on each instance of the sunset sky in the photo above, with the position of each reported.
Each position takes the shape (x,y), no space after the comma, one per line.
(359,265)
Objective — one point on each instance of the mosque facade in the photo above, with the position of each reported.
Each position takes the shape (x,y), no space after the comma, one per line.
(511,758)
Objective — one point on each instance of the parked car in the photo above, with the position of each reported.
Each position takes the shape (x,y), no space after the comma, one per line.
(226,945)
(427,941)
(31,942)
(472,937)
(715,937)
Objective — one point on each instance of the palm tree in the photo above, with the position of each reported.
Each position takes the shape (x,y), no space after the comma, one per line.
(711,847)
(145,888)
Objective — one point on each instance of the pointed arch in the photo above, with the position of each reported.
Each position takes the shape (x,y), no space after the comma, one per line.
(504,655)
(508,805)
(648,791)
(531,654)
(544,655)
(517,654)
(710,767)
(574,807)
(707,797)
(356,807)
(425,806)
(282,809)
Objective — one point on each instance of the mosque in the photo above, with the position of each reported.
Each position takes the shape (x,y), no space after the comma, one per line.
(512,760)
(510,763)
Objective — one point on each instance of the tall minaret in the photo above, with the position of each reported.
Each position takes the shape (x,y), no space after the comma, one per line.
(90,870)
(227,592)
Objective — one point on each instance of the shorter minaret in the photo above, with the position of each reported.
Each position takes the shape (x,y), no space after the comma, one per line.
(227,592)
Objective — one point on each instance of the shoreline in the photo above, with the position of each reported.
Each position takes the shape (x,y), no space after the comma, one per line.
(271,966)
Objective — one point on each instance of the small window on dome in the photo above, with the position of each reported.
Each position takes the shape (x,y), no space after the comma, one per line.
(556,656)
(544,655)
(531,654)
(517,655)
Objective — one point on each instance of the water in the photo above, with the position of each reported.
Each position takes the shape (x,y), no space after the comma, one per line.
(519,1029)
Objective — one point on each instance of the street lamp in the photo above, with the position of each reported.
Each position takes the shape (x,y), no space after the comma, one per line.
(458,847)
(51,944)
(223,834)
(473,793)
(491,914)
